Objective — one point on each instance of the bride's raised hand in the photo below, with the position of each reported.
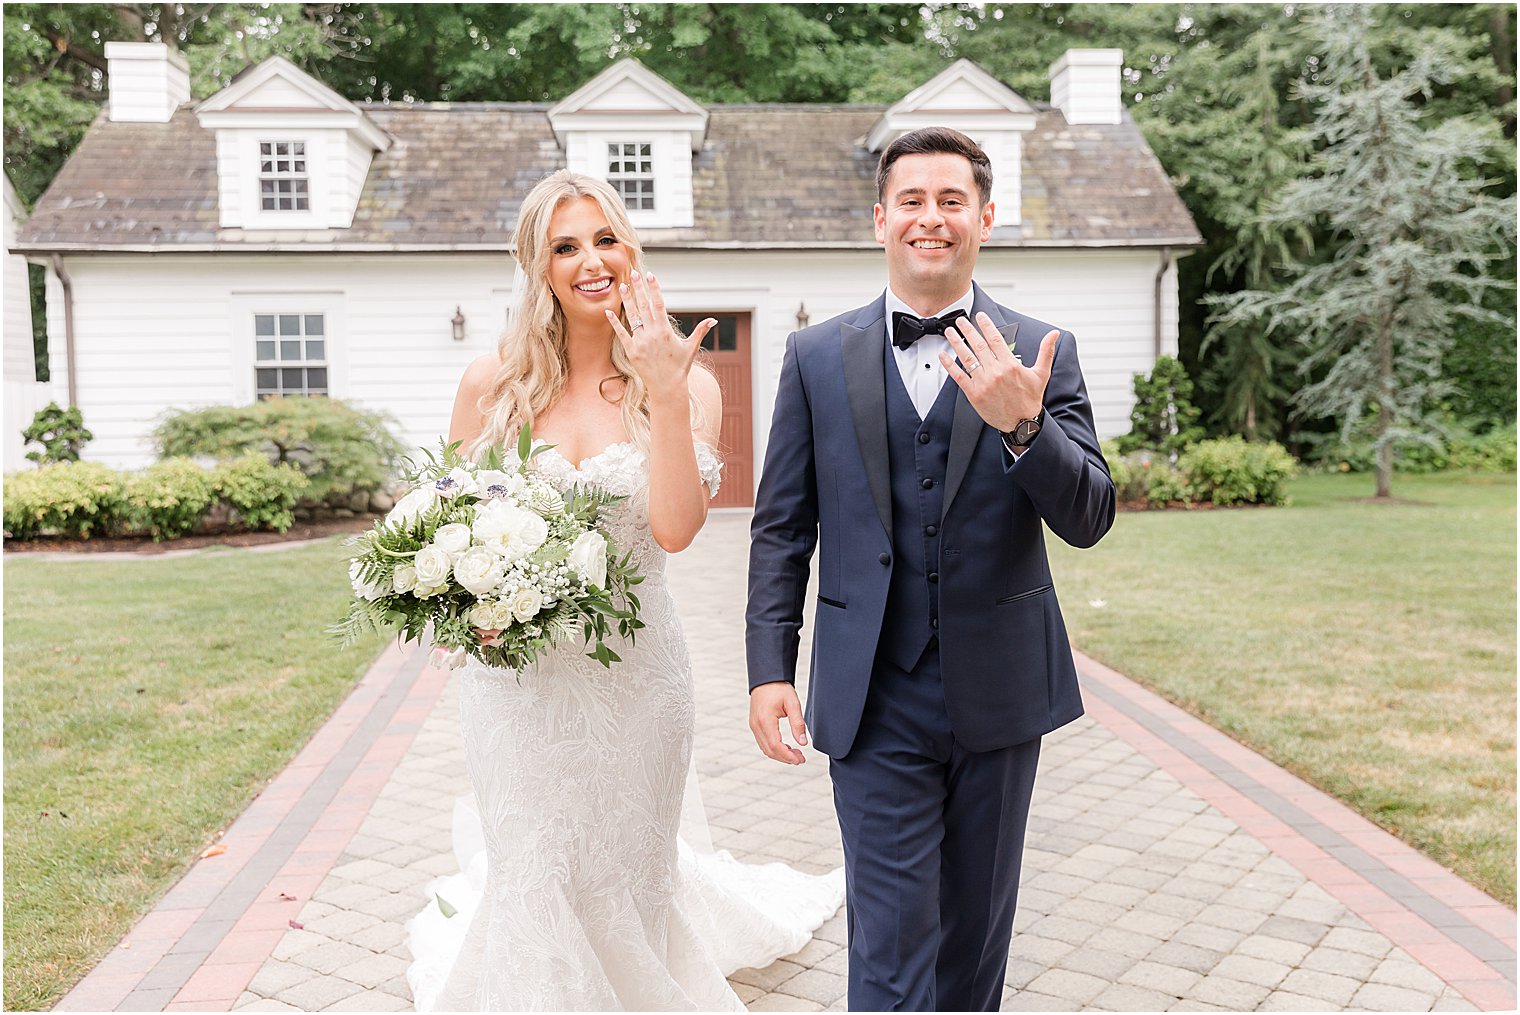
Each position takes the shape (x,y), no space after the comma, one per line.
(660,354)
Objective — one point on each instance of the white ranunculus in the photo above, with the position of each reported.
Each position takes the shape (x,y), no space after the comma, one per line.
(404,578)
(495,484)
(459,481)
(479,569)
(513,531)
(413,506)
(432,565)
(367,589)
(453,538)
(442,658)
(588,557)
(526,603)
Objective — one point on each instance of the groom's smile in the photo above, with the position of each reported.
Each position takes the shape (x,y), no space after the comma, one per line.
(932,223)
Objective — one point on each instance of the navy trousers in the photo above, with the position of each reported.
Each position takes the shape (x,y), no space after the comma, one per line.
(933,841)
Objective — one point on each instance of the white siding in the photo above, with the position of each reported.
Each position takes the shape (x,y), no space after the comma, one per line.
(176,332)
(167,332)
(23,395)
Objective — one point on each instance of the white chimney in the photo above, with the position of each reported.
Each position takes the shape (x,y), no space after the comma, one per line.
(148,81)
(1084,85)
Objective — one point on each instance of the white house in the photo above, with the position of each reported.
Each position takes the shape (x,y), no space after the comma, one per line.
(24,395)
(279,239)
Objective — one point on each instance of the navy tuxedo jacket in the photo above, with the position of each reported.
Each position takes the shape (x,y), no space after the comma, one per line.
(1004,657)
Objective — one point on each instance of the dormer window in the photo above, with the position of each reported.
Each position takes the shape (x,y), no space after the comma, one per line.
(282,176)
(630,170)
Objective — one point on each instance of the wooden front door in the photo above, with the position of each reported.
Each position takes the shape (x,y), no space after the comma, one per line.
(726,353)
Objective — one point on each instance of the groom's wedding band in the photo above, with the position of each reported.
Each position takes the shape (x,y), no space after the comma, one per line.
(973,365)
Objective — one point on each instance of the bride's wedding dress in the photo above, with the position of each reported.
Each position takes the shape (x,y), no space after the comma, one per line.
(576,891)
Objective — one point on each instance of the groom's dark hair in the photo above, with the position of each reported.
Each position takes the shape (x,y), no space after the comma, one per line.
(937,141)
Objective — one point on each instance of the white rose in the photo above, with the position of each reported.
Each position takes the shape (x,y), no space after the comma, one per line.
(526,603)
(404,578)
(501,614)
(459,481)
(482,615)
(479,569)
(515,532)
(413,506)
(366,589)
(453,538)
(432,566)
(495,484)
(429,591)
(588,558)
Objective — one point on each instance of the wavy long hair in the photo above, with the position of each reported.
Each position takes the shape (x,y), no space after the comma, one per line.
(534,365)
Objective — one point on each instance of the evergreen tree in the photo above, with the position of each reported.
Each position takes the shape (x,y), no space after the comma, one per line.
(1412,231)
(1163,418)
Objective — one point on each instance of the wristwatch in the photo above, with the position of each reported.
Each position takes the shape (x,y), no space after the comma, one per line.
(1024,433)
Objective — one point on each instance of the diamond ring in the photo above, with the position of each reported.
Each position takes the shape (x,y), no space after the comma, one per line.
(635,324)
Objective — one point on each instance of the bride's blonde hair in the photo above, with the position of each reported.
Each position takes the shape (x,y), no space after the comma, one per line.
(534,367)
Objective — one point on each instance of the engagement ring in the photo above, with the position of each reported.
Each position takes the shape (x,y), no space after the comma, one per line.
(636,325)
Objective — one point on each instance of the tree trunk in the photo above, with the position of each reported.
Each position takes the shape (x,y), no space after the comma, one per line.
(1385,414)
(1251,416)
(1502,48)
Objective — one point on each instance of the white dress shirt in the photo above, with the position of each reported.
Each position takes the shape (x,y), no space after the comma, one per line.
(922,373)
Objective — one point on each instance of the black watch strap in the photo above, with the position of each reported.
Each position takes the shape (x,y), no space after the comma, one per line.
(1024,433)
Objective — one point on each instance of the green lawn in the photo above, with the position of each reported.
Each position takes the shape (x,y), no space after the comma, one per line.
(1369,648)
(146,702)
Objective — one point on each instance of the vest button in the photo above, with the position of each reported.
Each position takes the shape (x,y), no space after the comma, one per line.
(934,623)
(923,438)
(885,558)
(927,484)
(931,530)
(933,577)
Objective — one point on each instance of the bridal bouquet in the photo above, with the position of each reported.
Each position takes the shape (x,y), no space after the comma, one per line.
(493,547)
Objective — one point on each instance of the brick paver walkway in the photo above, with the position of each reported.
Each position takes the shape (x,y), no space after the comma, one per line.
(1168,868)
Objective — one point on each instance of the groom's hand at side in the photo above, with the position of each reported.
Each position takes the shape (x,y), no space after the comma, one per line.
(768,705)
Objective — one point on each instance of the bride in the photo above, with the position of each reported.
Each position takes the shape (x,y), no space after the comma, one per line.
(576,890)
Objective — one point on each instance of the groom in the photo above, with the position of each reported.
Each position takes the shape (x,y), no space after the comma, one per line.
(920,442)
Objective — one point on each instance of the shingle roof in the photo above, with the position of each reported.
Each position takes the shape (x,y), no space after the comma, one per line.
(768,176)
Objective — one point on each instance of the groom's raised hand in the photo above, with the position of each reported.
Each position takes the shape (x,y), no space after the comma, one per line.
(1001,389)
(768,705)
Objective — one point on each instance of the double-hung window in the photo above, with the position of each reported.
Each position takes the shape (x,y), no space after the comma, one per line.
(290,354)
(630,170)
(283,182)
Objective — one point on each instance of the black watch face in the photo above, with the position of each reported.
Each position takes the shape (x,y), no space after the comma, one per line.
(1025,431)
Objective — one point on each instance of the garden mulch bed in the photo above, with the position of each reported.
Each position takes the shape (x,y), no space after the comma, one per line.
(146,545)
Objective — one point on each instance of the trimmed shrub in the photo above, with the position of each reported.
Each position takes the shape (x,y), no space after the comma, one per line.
(73,499)
(261,493)
(167,498)
(1233,471)
(1491,452)
(337,447)
(60,431)
(1163,417)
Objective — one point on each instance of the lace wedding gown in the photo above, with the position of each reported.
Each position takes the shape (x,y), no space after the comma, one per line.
(576,891)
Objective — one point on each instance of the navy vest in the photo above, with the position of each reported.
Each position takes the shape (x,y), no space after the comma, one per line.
(917,452)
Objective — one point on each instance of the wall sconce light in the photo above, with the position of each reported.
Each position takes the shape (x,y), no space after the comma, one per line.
(802,316)
(457,321)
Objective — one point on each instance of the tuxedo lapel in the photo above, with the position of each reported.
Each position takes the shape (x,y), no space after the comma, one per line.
(967,427)
(864,382)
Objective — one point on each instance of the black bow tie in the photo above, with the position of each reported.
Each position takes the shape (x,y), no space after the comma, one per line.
(907,329)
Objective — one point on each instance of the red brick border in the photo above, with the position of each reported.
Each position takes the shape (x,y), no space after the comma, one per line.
(156,966)
(1130,712)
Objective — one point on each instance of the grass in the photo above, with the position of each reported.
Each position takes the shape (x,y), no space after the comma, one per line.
(1368,648)
(146,703)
